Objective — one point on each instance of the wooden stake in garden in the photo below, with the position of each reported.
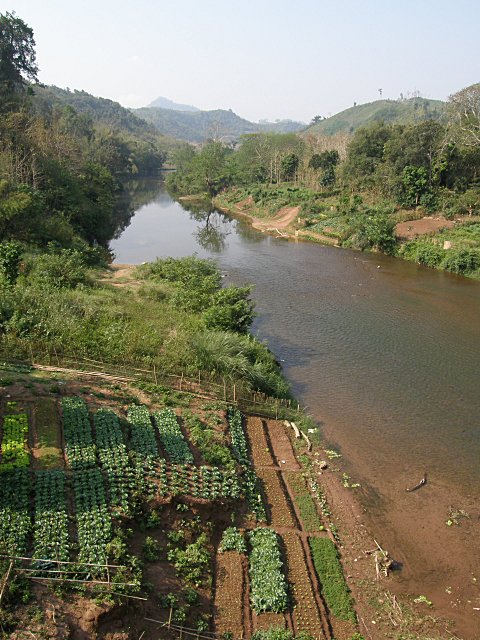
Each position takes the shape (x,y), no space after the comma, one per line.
(5,579)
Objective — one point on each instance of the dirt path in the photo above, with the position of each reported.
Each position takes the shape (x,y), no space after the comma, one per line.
(281,220)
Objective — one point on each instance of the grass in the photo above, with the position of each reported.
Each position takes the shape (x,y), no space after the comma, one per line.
(304,501)
(329,570)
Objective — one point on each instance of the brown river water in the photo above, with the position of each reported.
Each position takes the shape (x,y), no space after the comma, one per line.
(385,355)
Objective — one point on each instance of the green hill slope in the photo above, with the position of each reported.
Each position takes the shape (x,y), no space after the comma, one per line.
(392,111)
(200,125)
(101,111)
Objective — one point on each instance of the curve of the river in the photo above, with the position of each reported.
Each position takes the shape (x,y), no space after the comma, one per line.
(385,355)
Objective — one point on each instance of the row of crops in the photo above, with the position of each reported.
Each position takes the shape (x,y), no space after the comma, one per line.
(94,524)
(268,587)
(14,446)
(172,438)
(79,445)
(15,521)
(198,482)
(51,539)
(113,457)
(252,489)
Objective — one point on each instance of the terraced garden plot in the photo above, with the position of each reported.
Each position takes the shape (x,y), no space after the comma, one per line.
(237,434)
(113,457)
(264,621)
(268,587)
(15,521)
(14,446)
(172,438)
(306,616)
(229,593)
(281,445)
(94,524)
(280,511)
(50,534)
(47,435)
(197,482)
(77,431)
(334,587)
(303,501)
(258,443)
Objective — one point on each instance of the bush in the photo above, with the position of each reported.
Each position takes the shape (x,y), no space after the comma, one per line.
(65,269)
(231,310)
(461,260)
(10,254)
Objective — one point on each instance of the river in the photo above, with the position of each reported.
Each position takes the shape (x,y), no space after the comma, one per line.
(385,356)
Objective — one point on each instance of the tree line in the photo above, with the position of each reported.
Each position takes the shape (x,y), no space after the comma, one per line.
(61,170)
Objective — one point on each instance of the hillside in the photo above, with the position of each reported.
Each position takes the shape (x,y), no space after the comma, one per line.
(200,125)
(392,111)
(101,110)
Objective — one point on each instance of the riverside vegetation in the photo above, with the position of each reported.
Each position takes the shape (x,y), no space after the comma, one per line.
(355,195)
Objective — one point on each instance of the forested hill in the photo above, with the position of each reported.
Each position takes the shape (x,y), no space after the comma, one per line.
(198,126)
(101,111)
(409,111)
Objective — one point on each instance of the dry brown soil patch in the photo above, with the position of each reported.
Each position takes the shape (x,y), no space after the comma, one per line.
(428,225)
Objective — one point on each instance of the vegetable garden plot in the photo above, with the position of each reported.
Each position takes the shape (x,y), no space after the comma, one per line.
(142,436)
(258,443)
(172,438)
(113,457)
(197,482)
(79,446)
(281,445)
(265,621)
(305,610)
(14,449)
(239,441)
(94,524)
(280,511)
(47,429)
(50,536)
(334,588)
(268,587)
(15,521)
(229,593)
(304,501)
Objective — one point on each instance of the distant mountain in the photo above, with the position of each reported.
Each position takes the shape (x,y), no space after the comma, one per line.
(391,111)
(198,126)
(165,103)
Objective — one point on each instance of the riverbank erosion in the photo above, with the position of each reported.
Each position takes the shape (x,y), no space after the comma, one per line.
(293,212)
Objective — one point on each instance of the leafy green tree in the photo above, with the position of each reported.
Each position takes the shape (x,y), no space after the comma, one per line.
(364,154)
(289,166)
(326,161)
(10,254)
(375,228)
(17,54)
(415,183)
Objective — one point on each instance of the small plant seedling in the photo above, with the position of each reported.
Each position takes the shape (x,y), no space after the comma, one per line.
(423,600)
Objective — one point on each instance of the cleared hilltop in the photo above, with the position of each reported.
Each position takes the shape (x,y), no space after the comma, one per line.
(409,111)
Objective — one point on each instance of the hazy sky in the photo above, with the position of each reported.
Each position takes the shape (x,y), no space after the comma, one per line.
(263,58)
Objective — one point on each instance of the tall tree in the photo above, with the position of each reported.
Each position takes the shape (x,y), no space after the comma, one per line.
(17,54)
(465,115)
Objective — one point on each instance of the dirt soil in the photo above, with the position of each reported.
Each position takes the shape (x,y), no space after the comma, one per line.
(429,225)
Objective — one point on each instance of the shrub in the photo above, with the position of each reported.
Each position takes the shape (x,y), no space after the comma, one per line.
(65,269)
(461,260)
